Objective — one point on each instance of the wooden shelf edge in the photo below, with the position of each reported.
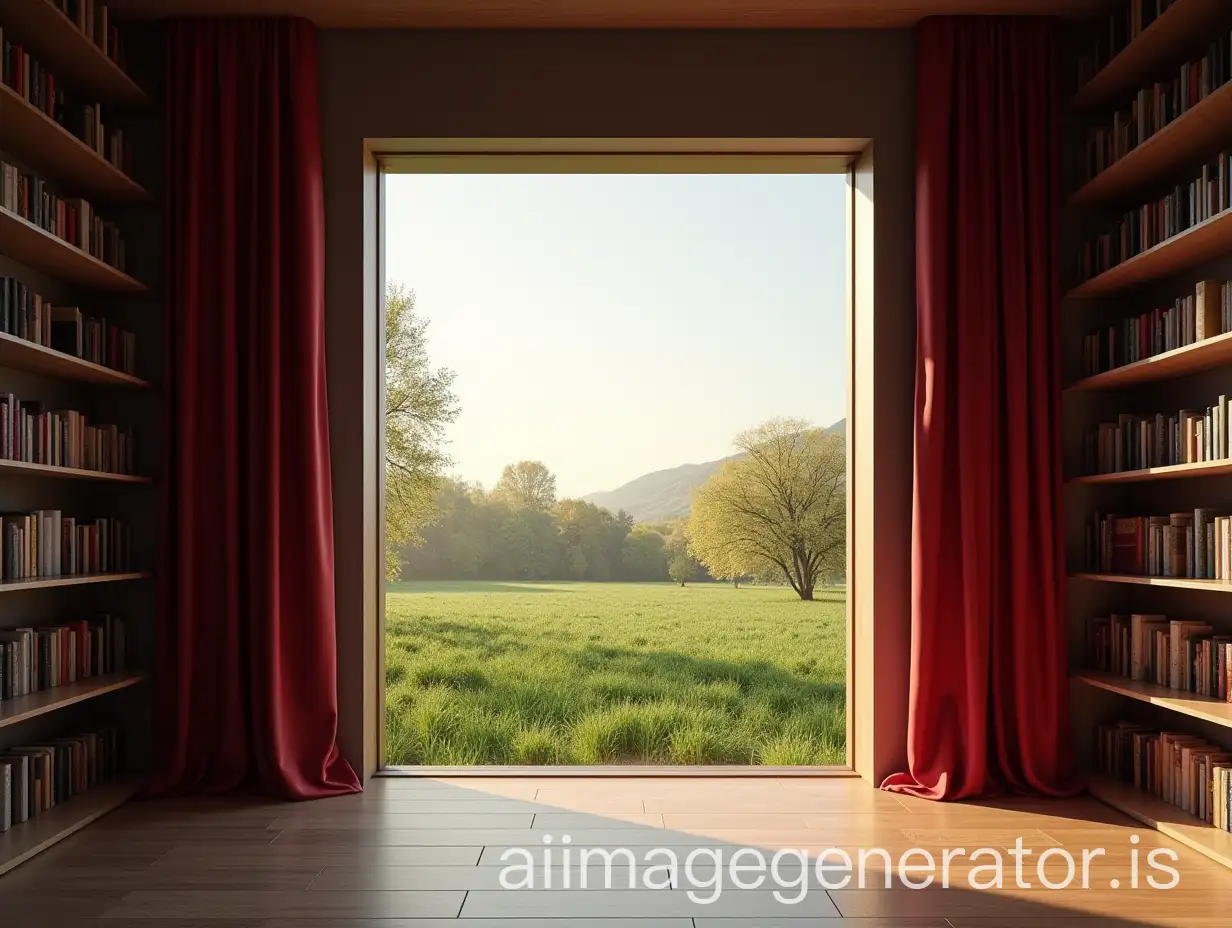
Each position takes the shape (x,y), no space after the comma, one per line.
(1170,472)
(48,147)
(68,53)
(60,259)
(1199,132)
(1206,708)
(67,473)
(1164,817)
(1183,583)
(1183,27)
(1197,244)
(21,842)
(15,711)
(38,359)
(1188,359)
(14,586)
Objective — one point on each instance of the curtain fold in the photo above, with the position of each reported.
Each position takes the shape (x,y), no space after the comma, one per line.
(246,694)
(989,690)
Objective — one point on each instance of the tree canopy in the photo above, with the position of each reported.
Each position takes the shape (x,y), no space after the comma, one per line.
(780,506)
(419,404)
(527,485)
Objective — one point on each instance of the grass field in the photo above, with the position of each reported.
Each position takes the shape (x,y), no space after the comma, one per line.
(592,673)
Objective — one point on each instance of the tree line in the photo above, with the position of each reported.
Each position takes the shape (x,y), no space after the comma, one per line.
(520,531)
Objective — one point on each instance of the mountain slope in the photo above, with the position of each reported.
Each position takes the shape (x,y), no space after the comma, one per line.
(664,494)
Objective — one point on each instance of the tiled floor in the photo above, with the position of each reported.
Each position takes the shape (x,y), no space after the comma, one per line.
(416,853)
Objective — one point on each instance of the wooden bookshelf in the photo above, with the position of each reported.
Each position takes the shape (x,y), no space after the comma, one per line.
(1171,472)
(26,469)
(1184,30)
(1179,583)
(23,708)
(54,152)
(1195,245)
(1206,708)
(25,242)
(1171,820)
(1186,142)
(21,842)
(26,356)
(46,583)
(1205,355)
(66,51)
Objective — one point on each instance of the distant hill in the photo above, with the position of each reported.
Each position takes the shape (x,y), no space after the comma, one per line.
(664,494)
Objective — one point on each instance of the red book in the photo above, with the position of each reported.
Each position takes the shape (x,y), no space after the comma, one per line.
(1127,546)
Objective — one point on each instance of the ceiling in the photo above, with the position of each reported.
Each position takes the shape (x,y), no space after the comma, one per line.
(616,14)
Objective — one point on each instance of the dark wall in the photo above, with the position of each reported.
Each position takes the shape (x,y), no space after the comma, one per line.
(805,84)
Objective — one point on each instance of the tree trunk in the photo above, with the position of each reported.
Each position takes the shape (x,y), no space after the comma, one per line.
(806,594)
(682,583)
(736,583)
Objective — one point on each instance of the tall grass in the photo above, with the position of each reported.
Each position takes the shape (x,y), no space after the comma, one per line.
(577,673)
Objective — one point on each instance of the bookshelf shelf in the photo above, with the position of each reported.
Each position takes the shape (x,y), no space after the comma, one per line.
(68,473)
(1206,708)
(35,359)
(21,842)
(13,711)
(1180,583)
(1200,356)
(1184,28)
(1184,143)
(1166,818)
(42,583)
(54,151)
(1192,247)
(27,243)
(68,53)
(1171,472)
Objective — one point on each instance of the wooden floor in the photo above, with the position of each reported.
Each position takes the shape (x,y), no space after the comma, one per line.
(415,853)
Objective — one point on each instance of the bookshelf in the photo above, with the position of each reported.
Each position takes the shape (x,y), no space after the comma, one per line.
(27,244)
(55,152)
(67,276)
(1171,380)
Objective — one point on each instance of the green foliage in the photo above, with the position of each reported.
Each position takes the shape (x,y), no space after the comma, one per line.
(527,485)
(419,404)
(568,673)
(644,554)
(780,507)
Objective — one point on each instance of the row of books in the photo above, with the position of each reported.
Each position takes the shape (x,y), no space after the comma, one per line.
(72,220)
(1195,545)
(1204,314)
(1157,106)
(62,438)
(1132,442)
(93,18)
(28,316)
(36,659)
(1181,769)
(1177,653)
(1123,25)
(37,86)
(40,776)
(48,544)
(1205,196)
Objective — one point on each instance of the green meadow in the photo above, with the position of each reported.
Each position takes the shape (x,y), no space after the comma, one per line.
(613,673)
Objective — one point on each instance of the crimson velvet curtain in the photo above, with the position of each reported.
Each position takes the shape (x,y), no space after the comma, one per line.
(245,687)
(988,710)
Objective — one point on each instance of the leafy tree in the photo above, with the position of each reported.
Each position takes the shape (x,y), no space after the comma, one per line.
(644,554)
(530,545)
(419,404)
(782,504)
(680,567)
(527,485)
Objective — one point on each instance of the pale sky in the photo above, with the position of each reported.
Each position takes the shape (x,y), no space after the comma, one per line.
(612,325)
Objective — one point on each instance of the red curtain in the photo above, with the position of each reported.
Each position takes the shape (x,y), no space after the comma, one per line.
(988,708)
(245,684)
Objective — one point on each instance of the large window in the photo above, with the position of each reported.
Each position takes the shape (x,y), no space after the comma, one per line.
(615,482)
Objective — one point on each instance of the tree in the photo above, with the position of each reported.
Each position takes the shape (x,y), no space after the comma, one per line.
(680,567)
(527,485)
(781,504)
(419,404)
(644,554)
